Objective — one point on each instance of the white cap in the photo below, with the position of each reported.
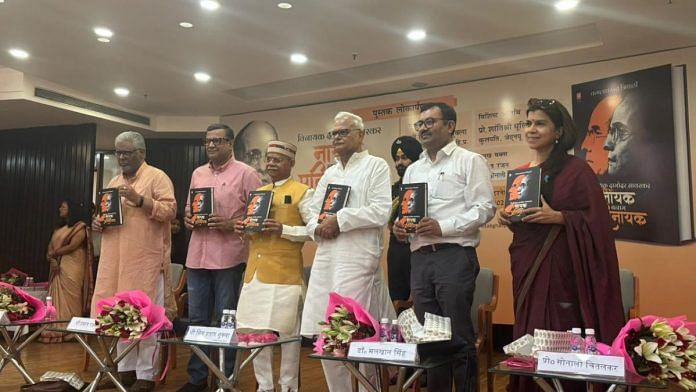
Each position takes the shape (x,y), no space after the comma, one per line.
(385,321)
(577,330)
(589,331)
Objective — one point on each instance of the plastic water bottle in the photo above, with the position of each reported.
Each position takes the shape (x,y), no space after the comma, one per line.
(395,332)
(50,310)
(590,342)
(225,319)
(384,330)
(577,344)
(232,321)
(29,281)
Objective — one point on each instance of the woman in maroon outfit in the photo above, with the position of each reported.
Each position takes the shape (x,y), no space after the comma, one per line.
(577,281)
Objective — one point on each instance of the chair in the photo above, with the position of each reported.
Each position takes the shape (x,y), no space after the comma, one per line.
(482,308)
(629,293)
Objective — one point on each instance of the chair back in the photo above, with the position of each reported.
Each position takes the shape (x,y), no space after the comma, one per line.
(175,272)
(482,295)
(628,291)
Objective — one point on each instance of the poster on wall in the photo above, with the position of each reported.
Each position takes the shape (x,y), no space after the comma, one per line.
(630,142)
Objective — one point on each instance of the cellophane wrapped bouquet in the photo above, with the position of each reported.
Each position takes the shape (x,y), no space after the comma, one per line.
(346,321)
(130,315)
(20,306)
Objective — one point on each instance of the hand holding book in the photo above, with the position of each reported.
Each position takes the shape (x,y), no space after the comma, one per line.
(543,215)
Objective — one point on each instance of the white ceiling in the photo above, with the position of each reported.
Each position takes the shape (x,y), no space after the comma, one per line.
(246,44)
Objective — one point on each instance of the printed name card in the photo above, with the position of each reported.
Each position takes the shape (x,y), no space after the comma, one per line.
(209,334)
(82,324)
(586,364)
(4,319)
(386,351)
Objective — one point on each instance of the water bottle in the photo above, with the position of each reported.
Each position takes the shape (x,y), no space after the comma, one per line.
(232,321)
(577,344)
(50,310)
(29,281)
(395,332)
(590,342)
(225,319)
(384,330)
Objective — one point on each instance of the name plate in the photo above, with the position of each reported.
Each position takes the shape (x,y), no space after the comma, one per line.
(386,351)
(4,318)
(585,364)
(209,334)
(82,324)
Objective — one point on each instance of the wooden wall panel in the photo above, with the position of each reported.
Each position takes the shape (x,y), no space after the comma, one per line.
(39,167)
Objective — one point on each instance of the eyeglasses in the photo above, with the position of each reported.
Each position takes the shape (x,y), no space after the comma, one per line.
(342,132)
(619,132)
(275,160)
(215,140)
(125,153)
(428,123)
(541,103)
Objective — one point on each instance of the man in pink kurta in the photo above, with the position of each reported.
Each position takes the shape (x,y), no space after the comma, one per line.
(134,255)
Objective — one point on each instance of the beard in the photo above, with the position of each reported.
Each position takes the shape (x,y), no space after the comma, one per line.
(400,170)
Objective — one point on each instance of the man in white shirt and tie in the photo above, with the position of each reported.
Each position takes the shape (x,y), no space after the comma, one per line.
(444,265)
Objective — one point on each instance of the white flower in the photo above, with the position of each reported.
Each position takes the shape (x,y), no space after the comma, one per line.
(648,350)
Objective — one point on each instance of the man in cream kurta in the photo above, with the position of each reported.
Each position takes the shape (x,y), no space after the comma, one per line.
(135,254)
(350,243)
(271,299)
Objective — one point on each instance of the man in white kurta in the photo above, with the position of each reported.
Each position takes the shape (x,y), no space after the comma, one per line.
(349,243)
(271,298)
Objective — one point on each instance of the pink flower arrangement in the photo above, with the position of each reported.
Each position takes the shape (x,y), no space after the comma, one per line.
(346,321)
(20,306)
(130,315)
(659,348)
(14,277)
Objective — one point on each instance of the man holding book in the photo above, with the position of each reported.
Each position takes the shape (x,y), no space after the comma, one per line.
(271,298)
(134,254)
(349,240)
(444,265)
(216,254)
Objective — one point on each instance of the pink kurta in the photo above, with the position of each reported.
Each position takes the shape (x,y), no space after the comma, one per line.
(134,254)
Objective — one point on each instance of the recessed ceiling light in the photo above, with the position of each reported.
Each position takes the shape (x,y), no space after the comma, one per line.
(103,39)
(284,6)
(298,58)
(201,77)
(103,32)
(565,5)
(18,53)
(210,5)
(416,35)
(186,25)
(121,91)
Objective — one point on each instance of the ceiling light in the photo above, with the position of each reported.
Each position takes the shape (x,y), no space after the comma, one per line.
(102,39)
(565,5)
(416,35)
(186,25)
(298,58)
(201,77)
(284,6)
(121,91)
(103,32)
(18,53)
(210,5)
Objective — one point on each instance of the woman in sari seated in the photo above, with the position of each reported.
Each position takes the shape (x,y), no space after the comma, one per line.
(70,278)
(568,238)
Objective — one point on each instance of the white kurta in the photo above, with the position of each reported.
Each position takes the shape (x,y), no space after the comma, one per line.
(349,264)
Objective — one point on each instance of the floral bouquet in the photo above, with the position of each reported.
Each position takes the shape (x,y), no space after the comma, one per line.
(14,277)
(346,321)
(659,348)
(130,315)
(19,305)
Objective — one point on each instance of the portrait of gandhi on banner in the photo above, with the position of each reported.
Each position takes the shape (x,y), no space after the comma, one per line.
(597,131)
(250,146)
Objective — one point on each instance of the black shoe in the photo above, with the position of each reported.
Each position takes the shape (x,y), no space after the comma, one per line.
(127,379)
(188,387)
(142,386)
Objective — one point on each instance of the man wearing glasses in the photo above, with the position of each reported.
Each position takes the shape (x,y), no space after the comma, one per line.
(349,243)
(443,259)
(271,299)
(133,254)
(217,255)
